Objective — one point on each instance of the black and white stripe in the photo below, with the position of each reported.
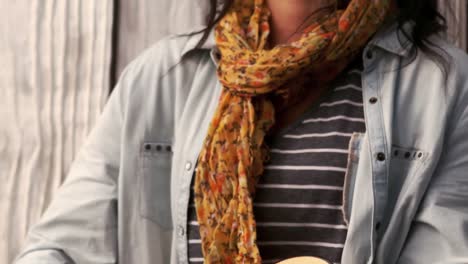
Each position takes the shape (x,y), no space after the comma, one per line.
(299,198)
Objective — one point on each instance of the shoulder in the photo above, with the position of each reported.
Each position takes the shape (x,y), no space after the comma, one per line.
(458,71)
(162,68)
(164,55)
(455,78)
(456,58)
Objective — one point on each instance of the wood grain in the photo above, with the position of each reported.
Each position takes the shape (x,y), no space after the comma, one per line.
(54,80)
(142,23)
(456,13)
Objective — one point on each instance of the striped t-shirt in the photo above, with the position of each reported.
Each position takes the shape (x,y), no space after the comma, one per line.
(299,197)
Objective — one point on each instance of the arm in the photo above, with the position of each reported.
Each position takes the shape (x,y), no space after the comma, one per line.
(439,232)
(80,225)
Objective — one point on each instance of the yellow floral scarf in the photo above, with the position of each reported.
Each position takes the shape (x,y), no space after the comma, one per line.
(234,152)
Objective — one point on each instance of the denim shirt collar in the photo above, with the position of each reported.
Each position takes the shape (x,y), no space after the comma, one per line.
(394,39)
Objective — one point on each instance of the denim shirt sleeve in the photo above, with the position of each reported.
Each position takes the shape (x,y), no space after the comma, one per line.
(439,232)
(80,225)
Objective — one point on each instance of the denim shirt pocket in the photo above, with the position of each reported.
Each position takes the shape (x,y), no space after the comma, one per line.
(354,148)
(154,181)
(404,162)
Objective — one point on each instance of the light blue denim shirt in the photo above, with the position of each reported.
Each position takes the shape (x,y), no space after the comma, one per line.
(125,199)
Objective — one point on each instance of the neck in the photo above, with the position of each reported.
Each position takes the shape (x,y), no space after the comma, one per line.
(290,17)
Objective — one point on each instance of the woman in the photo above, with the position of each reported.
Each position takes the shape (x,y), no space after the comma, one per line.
(335,129)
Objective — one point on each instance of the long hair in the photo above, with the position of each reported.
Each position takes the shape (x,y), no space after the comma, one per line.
(423,13)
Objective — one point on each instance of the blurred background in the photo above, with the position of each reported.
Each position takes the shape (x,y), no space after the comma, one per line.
(59,60)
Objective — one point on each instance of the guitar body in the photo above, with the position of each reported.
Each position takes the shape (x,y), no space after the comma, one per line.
(304,260)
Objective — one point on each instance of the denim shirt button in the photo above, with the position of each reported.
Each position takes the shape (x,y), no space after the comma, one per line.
(381,156)
(188,166)
(373,100)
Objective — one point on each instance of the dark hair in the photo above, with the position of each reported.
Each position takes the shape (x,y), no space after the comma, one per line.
(427,22)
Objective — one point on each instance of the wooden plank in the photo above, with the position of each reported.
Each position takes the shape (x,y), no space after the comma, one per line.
(456,13)
(54,81)
(142,23)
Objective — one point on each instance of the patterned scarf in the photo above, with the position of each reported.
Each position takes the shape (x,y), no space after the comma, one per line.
(234,150)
